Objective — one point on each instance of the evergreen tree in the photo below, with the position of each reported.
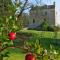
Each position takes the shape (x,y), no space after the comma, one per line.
(44,25)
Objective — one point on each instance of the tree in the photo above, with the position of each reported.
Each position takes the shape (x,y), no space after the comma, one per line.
(8,23)
(11,15)
(44,25)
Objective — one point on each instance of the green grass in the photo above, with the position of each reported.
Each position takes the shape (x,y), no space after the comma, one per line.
(15,54)
(46,38)
(44,34)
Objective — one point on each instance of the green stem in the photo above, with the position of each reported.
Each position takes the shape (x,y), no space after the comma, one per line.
(1,57)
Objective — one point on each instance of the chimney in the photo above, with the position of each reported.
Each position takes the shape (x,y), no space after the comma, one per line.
(54,3)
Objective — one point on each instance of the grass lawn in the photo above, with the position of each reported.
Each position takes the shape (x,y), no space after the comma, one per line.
(45,34)
(45,37)
(15,54)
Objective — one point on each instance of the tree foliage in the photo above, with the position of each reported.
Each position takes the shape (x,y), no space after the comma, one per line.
(44,25)
(8,23)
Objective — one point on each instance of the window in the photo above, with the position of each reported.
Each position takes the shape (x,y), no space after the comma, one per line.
(33,20)
(45,13)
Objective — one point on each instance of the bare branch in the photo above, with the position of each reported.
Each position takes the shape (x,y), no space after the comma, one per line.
(27,8)
(22,8)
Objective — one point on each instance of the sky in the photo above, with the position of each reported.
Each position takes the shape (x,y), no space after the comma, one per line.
(42,1)
(34,2)
(58,11)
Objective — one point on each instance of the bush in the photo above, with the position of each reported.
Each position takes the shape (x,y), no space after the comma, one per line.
(46,27)
(41,51)
(45,38)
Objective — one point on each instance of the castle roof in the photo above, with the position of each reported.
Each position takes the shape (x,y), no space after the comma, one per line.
(43,7)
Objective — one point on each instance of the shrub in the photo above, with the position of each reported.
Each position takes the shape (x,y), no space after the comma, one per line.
(41,52)
(45,38)
(34,47)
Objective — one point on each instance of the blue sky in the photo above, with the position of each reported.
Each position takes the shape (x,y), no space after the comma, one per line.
(58,11)
(34,2)
(48,2)
(43,1)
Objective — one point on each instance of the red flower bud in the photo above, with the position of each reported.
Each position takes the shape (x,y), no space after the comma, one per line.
(12,35)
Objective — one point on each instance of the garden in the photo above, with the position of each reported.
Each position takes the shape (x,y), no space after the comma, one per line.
(19,44)
(42,46)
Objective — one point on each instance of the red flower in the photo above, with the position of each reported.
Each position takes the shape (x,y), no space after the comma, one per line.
(12,35)
(30,57)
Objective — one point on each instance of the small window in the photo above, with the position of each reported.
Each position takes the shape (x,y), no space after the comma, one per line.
(33,20)
(45,13)
(44,19)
